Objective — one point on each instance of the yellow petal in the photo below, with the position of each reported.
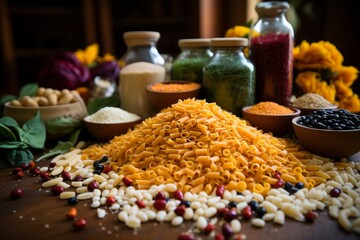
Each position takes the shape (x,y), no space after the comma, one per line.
(91,52)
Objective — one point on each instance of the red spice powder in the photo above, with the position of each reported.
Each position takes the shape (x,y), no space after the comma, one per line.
(272,57)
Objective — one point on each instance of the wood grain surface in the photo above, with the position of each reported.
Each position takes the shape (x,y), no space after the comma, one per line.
(41,215)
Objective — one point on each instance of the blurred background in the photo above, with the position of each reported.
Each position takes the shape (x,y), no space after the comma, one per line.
(32,31)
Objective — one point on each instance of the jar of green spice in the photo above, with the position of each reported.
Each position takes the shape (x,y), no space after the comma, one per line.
(229,77)
(189,63)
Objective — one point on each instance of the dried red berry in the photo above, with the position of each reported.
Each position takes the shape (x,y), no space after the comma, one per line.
(65,175)
(107,169)
(45,176)
(20,174)
(226,230)
(278,184)
(209,228)
(140,204)
(178,195)
(92,185)
(160,204)
(335,192)
(78,178)
(57,190)
(230,215)
(220,190)
(127,181)
(219,236)
(221,212)
(53,164)
(310,216)
(79,224)
(277,175)
(15,170)
(16,193)
(186,236)
(110,200)
(180,210)
(24,166)
(35,172)
(160,195)
(32,164)
(246,212)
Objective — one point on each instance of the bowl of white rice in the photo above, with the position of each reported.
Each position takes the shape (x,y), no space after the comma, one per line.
(109,122)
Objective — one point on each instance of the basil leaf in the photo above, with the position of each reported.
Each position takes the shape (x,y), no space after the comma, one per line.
(18,156)
(6,134)
(12,125)
(60,148)
(12,145)
(95,104)
(62,125)
(29,89)
(34,132)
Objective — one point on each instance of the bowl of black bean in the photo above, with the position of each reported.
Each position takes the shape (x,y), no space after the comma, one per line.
(329,133)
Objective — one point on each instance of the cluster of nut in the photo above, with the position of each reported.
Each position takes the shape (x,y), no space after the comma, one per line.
(47,97)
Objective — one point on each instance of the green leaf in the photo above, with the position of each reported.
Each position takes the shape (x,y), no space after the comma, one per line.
(6,134)
(29,89)
(12,125)
(95,104)
(63,125)
(3,100)
(12,145)
(61,147)
(18,156)
(34,132)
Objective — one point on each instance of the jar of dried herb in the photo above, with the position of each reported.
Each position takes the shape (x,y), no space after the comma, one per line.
(271,44)
(189,63)
(229,77)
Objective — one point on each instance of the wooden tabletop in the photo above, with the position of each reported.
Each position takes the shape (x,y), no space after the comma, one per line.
(41,215)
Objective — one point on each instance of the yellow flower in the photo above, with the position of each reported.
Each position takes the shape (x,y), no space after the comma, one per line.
(88,55)
(318,55)
(347,75)
(238,31)
(352,103)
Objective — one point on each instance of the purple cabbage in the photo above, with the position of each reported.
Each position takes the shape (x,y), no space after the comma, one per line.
(64,71)
(108,69)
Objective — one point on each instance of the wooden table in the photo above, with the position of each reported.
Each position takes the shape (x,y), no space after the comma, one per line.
(41,215)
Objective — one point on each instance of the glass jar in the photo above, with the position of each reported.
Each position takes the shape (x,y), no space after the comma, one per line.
(189,63)
(271,45)
(229,77)
(141,47)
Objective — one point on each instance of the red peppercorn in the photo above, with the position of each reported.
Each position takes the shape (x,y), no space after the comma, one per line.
(160,204)
(278,184)
(230,215)
(178,195)
(45,176)
(180,210)
(219,236)
(16,193)
(92,185)
(24,166)
(110,200)
(310,216)
(78,178)
(65,175)
(160,195)
(72,213)
(186,236)
(246,212)
(226,230)
(127,181)
(335,192)
(221,212)
(52,164)
(209,228)
(220,190)
(277,175)
(20,174)
(35,172)
(107,169)
(79,224)
(15,170)
(140,204)
(57,190)
(31,164)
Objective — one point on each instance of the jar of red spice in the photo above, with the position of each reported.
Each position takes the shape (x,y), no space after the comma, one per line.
(271,44)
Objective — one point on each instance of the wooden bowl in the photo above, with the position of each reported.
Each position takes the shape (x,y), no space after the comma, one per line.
(160,100)
(22,114)
(278,125)
(328,143)
(107,131)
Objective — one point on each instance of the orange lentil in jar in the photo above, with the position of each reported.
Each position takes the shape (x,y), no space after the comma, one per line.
(269,108)
(174,87)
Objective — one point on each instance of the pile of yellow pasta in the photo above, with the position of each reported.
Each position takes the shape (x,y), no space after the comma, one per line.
(199,146)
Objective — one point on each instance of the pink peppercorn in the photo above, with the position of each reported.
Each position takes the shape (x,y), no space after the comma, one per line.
(79,224)
(160,204)
(178,195)
(45,176)
(278,184)
(335,192)
(19,174)
(92,186)
(110,200)
(246,213)
(16,193)
(160,195)
(57,190)
(65,175)
(220,190)
(35,172)
(180,210)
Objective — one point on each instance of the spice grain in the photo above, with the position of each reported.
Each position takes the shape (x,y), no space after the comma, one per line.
(269,108)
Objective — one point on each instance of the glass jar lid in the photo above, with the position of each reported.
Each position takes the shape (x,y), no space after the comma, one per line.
(229,42)
(135,38)
(271,8)
(194,43)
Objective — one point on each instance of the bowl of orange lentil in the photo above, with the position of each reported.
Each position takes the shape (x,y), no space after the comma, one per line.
(271,117)
(163,94)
